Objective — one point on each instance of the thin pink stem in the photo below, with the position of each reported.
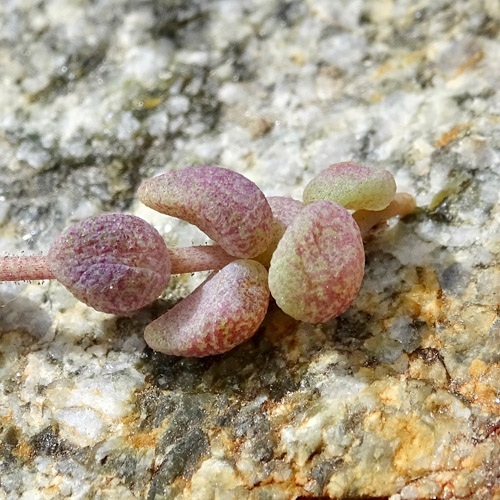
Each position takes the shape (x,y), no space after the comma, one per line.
(184,260)
(32,267)
(198,258)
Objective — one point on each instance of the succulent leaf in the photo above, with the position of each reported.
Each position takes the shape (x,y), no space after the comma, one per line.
(317,268)
(284,211)
(227,206)
(115,263)
(352,186)
(221,313)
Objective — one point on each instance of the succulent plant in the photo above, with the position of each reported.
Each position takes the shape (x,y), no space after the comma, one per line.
(309,256)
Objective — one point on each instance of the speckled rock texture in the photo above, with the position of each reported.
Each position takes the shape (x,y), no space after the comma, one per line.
(399,397)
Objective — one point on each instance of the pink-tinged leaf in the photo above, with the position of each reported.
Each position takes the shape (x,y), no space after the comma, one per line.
(352,186)
(227,206)
(221,313)
(115,263)
(284,211)
(317,269)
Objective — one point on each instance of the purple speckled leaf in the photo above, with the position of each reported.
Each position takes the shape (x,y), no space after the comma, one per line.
(115,263)
(284,211)
(227,206)
(352,186)
(221,313)
(317,269)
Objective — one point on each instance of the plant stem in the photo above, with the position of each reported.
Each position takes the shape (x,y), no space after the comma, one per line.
(198,258)
(31,267)
(184,260)
(402,204)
